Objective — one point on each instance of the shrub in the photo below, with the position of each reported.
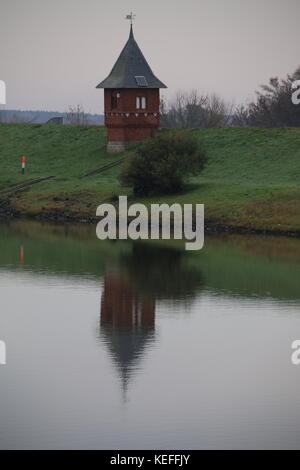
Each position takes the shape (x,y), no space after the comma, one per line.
(161,165)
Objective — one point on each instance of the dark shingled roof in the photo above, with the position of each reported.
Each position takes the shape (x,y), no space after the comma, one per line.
(130,64)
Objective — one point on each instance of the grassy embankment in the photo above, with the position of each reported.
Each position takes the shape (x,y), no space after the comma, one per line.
(252,178)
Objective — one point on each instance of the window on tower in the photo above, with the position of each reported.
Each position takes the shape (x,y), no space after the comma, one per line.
(114,99)
(141,102)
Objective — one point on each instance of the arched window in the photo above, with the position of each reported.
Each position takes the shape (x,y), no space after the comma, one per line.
(141,102)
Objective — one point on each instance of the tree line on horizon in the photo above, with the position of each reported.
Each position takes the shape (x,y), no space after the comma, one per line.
(73,115)
(273,107)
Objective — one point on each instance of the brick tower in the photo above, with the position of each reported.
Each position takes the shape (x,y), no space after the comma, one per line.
(131,99)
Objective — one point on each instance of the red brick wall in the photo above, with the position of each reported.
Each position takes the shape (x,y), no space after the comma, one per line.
(128,134)
(125,122)
(127,100)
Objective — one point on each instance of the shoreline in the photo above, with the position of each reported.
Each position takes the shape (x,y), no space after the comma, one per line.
(7,213)
(245,188)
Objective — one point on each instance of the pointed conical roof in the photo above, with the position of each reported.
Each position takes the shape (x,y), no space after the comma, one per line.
(130,68)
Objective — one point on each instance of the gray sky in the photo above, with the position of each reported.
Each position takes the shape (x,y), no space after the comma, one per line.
(54,53)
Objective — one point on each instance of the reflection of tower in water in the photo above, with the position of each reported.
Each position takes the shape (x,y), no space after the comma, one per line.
(127,323)
(143,276)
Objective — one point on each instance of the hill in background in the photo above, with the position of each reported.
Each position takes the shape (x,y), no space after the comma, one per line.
(42,117)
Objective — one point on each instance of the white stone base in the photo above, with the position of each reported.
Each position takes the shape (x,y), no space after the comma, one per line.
(116,146)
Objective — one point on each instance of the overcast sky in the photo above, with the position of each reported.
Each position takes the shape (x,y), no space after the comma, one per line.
(54,52)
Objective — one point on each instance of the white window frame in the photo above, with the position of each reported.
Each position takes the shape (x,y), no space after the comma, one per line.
(141,102)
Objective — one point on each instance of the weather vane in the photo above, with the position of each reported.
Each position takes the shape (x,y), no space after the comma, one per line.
(130,17)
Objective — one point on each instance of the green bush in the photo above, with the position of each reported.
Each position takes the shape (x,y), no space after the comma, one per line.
(161,165)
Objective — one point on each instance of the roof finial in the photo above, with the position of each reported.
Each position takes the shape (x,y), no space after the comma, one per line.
(130,17)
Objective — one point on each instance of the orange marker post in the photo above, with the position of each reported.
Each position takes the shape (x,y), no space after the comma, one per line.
(24,161)
(22,254)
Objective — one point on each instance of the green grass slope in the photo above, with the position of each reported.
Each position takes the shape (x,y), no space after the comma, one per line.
(252,178)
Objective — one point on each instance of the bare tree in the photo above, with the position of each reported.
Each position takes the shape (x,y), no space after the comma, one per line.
(241,116)
(76,115)
(194,110)
(217,112)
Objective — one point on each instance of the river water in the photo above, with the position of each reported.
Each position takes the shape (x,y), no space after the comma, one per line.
(121,345)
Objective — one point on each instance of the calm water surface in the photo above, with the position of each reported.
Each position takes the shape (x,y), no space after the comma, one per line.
(142,345)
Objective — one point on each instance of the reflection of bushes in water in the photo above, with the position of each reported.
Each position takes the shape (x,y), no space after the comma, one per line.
(162,272)
(27,228)
(270,247)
